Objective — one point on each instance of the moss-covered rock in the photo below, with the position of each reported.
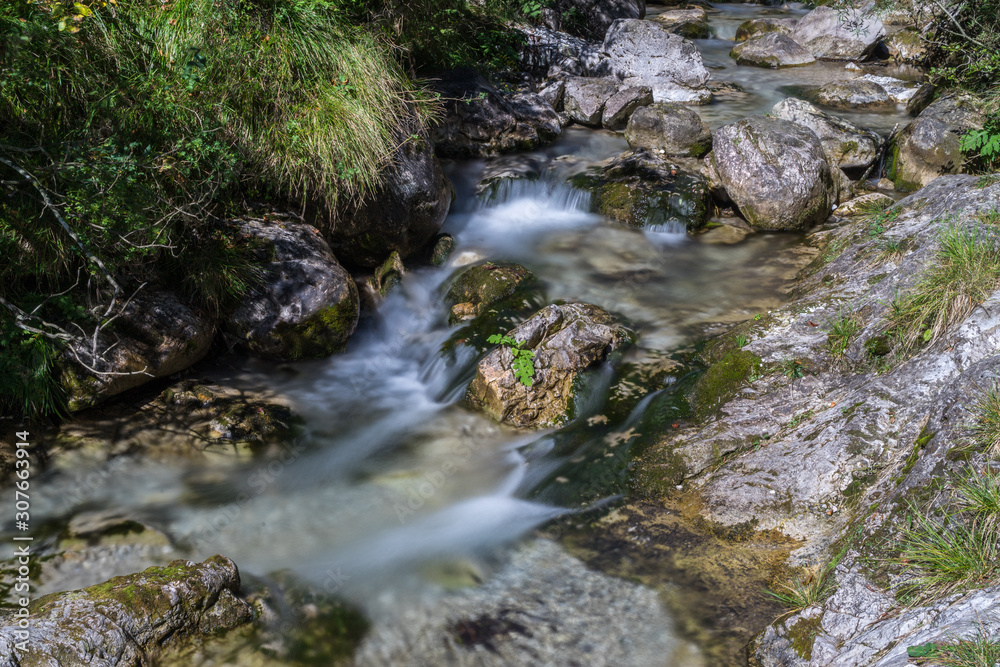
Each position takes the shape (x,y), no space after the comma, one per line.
(126,619)
(475,288)
(641,190)
(723,379)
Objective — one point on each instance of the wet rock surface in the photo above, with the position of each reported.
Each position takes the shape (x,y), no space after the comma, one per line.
(477,287)
(125,620)
(773,49)
(566,340)
(760,26)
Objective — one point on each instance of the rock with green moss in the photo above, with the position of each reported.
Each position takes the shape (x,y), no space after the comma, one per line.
(907,46)
(479,286)
(125,620)
(930,145)
(723,379)
(670,129)
(387,276)
(762,26)
(566,340)
(156,335)
(443,246)
(691,22)
(640,189)
(307,307)
(776,172)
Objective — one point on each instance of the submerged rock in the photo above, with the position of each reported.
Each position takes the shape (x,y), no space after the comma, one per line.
(402,215)
(127,619)
(829,34)
(644,190)
(776,172)
(479,286)
(566,340)
(669,128)
(846,145)
(644,53)
(480,121)
(930,145)
(773,49)
(307,306)
(156,335)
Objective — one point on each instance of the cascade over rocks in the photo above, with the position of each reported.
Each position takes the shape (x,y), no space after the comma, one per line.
(566,340)
(930,145)
(644,53)
(307,306)
(156,335)
(480,121)
(776,172)
(403,215)
(669,128)
(773,49)
(832,35)
(127,619)
(846,145)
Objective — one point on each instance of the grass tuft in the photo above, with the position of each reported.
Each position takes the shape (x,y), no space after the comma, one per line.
(966,272)
(985,425)
(841,330)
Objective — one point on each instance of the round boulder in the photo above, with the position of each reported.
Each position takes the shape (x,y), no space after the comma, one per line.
(762,26)
(773,49)
(829,34)
(670,129)
(857,93)
(776,172)
(307,307)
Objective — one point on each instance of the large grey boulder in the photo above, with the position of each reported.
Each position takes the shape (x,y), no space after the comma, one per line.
(846,145)
(584,98)
(127,619)
(644,53)
(761,26)
(479,121)
(669,128)
(773,49)
(307,305)
(691,22)
(857,93)
(566,340)
(776,172)
(154,335)
(850,34)
(930,145)
(402,215)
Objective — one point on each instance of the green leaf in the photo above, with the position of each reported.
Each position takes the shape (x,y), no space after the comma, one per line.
(921,651)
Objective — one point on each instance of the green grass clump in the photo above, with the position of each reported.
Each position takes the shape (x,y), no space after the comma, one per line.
(841,331)
(978,652)
(985,425)
(965,273)
(962,550)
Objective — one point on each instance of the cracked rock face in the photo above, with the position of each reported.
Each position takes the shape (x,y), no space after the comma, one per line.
(124,620)
(566,340)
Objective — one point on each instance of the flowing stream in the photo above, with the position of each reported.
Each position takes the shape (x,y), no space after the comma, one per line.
(394,472)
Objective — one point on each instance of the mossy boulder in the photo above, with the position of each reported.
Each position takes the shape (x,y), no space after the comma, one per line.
(566,340)
(642,190)
(670,129)
(307,306)
(763,26)
(126,619)
(691,23)
(479,286)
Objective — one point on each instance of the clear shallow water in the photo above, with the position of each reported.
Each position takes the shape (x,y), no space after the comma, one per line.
(394,473)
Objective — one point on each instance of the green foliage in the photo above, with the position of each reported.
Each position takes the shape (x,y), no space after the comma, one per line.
(985,424)
(981,651)
(966,271)
(524,360)
(27,376)
(815,586)
(792,369)
(842,330)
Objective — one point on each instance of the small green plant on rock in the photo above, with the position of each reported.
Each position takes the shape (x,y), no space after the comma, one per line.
(524,360)
(841,330)
(792,368)
(813,587)
(981,651)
